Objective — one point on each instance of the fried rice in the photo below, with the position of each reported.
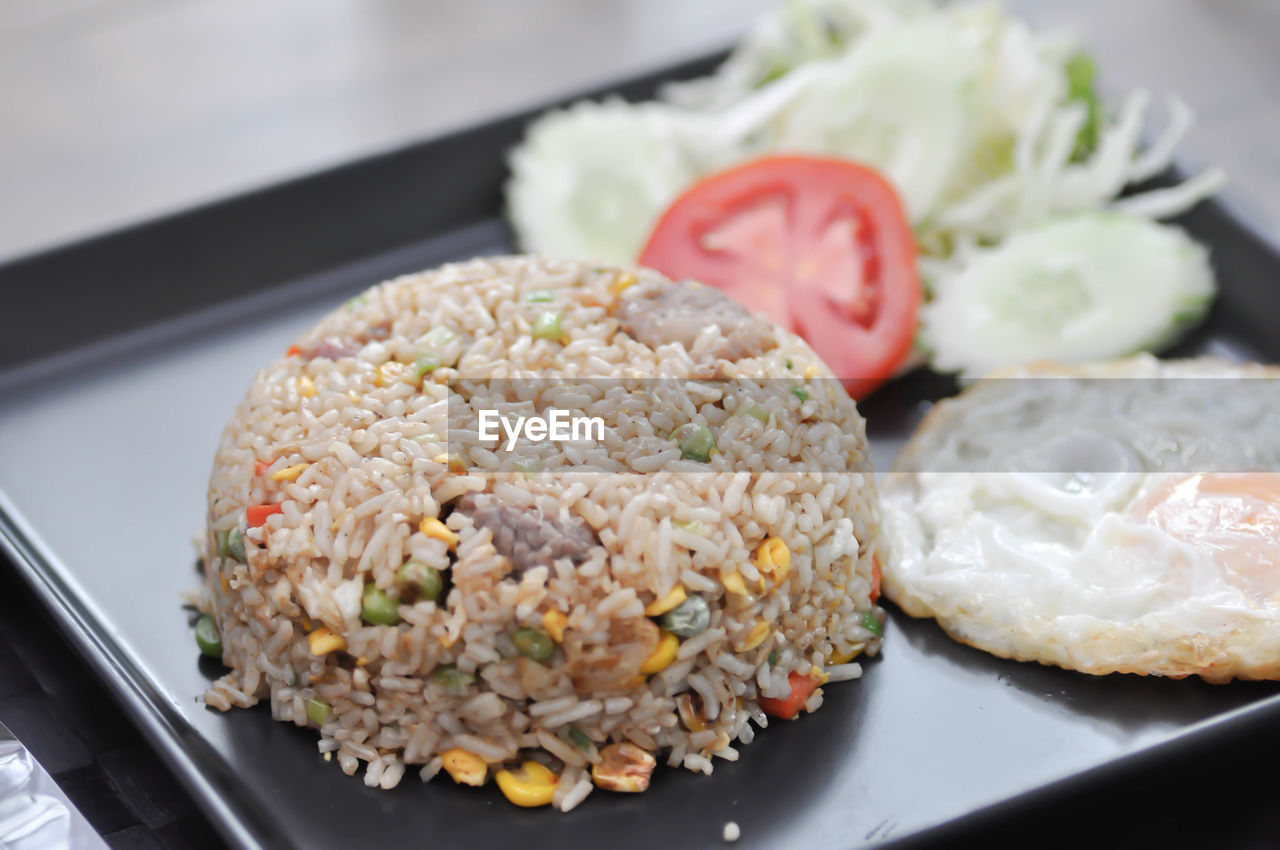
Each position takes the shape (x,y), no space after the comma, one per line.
(423,597)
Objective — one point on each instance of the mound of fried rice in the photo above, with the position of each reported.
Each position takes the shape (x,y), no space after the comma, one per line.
(353,455)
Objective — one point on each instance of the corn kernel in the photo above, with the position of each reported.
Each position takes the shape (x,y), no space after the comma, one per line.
(773,559)
(437,530)
(465,767)
(622,282)
(532,784)
(662,656)
(289,473)
(322,641)
(838,657)
(733,583)
(389,373)
(755,637)
(811,371)
(816,672)
(555,622)
(306,387)
(361,661)
(661,606)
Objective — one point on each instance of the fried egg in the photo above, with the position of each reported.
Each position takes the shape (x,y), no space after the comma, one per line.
(1119,517)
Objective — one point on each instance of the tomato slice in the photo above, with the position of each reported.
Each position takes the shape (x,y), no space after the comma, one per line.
(821,246)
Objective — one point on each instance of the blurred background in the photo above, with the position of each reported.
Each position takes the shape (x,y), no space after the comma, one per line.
(114,111)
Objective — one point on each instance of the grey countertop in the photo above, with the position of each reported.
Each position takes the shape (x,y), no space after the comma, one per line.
(114,111)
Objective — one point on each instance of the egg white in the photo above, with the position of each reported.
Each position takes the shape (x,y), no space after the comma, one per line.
(1120,517)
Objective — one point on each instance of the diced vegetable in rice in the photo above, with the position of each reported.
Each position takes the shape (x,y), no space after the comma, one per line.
(565,615)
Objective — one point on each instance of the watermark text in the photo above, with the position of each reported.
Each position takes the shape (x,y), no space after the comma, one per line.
(557,425)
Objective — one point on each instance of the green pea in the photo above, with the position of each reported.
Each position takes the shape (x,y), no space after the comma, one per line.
(788,362)
(418,579)
(207,637)
(451,677)
(691,617)
(773,658)
(379,609)
(547,326)
(579,739)
(872,623)
(538,296)
(235,544)
(535,644)
(800,393)
(754,409)
(695,440)
(318,711)
(230,544)
(427,361)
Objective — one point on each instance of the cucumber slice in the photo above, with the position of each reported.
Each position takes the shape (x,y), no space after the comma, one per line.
(589,182)
(1077,288)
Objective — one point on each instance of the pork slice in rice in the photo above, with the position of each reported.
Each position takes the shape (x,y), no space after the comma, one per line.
(680,312)
(529,537)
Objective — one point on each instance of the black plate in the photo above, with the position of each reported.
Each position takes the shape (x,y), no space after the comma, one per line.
(163,325)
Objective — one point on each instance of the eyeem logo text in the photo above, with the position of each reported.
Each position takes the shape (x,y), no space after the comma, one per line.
(557,425)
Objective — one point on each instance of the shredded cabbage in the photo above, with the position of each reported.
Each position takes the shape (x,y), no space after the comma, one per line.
(795,33)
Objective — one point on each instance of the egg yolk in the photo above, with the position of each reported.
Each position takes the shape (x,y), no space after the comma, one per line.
(1231,518)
